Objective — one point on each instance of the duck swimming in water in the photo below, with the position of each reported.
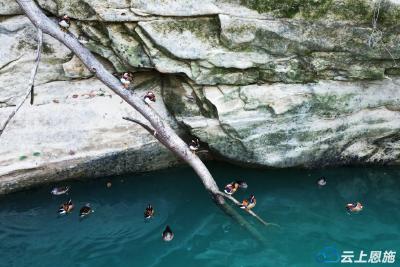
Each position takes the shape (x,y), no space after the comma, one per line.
(321,182)
(167,235)
(66,207)
(250,203)
(242,184)
(149,212)
(149,97)
(126,79)
(60,190)
(64,22)
(85,210)
(194,145)
(354,207)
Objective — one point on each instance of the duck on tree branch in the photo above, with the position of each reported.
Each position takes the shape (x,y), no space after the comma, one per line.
(165,134)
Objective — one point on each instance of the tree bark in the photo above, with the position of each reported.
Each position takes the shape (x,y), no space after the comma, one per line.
(30,83)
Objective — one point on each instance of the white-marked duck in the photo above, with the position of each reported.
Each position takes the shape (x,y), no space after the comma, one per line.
(60,190)
(64,22)
(149,212)
(149,97)
(126,79)
(321,182)
(231,188)
(66,207)
(194,145)
(250,203)
(167,235)
(83,39)
(354,207)
(85,210)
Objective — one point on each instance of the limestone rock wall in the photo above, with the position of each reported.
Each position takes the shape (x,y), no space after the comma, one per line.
(262,82)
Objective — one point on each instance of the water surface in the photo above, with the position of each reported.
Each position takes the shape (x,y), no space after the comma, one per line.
(311,218)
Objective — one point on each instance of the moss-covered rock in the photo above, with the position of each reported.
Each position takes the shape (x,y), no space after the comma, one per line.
(357,11)
(290,125)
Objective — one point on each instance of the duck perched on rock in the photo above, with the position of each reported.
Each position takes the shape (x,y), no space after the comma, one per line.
(60,190)
(126,79)
(249,203)
(354,208)
(64,22)
(167,235)
(85,210)
(66,208)
(194,145)
(83,39)
(149,212)
(149,97)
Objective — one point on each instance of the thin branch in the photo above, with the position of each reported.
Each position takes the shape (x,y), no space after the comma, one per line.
(31,81)
(144,125)
(242,221)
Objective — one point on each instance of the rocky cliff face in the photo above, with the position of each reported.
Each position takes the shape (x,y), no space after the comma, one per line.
(262,82)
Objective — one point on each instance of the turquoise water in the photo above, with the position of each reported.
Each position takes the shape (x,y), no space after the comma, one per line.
(311,218)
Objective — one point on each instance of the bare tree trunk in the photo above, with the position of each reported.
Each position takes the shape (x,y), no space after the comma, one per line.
(30,83)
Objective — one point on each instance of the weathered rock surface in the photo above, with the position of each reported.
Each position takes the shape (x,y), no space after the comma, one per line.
(269,83)
(284,125)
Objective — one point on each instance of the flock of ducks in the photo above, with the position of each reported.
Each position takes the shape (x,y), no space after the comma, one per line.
(247,203)
(68,206)
(251,202)
(167,234)
(126,79)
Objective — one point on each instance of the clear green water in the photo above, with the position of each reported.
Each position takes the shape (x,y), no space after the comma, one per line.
(311,218)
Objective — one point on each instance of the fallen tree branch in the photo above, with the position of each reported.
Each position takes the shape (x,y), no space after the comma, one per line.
(230,197)
(234,214)
(234,200)
(164,133)
(30,83)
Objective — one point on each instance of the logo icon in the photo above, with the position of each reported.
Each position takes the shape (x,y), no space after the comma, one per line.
(328,255)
